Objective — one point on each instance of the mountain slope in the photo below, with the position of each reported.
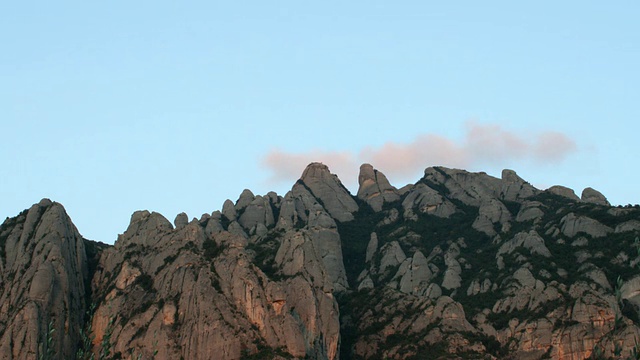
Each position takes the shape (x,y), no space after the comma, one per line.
(457,265)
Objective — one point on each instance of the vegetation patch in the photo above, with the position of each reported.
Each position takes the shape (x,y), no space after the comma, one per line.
(355,236)
(211,249)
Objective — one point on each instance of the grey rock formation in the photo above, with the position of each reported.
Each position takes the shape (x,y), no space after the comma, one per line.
(374,188)
(257,212)
(246,197)
(229,210)
(43,271)
(329,191)
(564,192)
(231,296)
(266,277)
(323,232)
(593,196)
(146,224)
(470,188)
(452,275)
(514,188)
(214,225)
(531,241)
(181,220)
(627,226)
(530,211)
(423,199)
(414,275)
(572,225)
(492,213)
(392,255)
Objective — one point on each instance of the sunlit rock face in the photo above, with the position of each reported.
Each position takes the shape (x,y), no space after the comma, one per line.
(457,265)
(43,272)
(374,188)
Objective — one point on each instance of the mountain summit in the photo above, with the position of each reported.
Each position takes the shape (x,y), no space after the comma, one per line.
(457,265)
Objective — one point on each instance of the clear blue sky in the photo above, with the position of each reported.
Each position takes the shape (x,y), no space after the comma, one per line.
(110,107)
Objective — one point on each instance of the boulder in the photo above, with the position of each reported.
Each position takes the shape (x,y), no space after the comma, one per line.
(229,210)
(593,196)
(181,220)
(246,197)
(564,192)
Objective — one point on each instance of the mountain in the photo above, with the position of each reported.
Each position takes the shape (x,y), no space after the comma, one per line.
(457,265)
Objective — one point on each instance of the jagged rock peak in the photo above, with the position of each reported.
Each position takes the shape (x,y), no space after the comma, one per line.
(246,197)
(514,187)
(594,196)
(468,187)
(143,221)
(46,252)
(181,220)
(229,210)
(374,188)
(327,188)
(318,170)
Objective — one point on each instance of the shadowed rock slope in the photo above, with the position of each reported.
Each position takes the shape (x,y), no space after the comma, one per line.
(457,265)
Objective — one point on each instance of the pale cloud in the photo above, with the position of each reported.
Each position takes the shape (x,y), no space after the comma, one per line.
(482,145)
(404,159)
(553,147)
(491,144)
(289,166)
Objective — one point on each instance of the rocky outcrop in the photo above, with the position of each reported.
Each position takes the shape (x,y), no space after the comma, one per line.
(425,200)
(456,265)
(181,220)
(530,211)
(593,196)
(573,225)
(514,188)
(530,241)
(43,271)
(392,256)
(491,215)
(564,192)
(414,275)
(470,188)
(374,188)
(329,191)
(225,309)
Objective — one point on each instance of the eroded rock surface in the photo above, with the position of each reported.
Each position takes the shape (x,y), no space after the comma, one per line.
(374,188)
(43,272)
(457,265)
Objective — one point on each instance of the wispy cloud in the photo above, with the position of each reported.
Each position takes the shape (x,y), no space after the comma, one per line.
(288,166)
(483,145)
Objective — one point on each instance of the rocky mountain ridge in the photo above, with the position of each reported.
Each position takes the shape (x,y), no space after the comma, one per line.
(457,265)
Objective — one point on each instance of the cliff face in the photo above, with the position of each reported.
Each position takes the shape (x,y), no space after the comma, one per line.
(458,265)
(43,271)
